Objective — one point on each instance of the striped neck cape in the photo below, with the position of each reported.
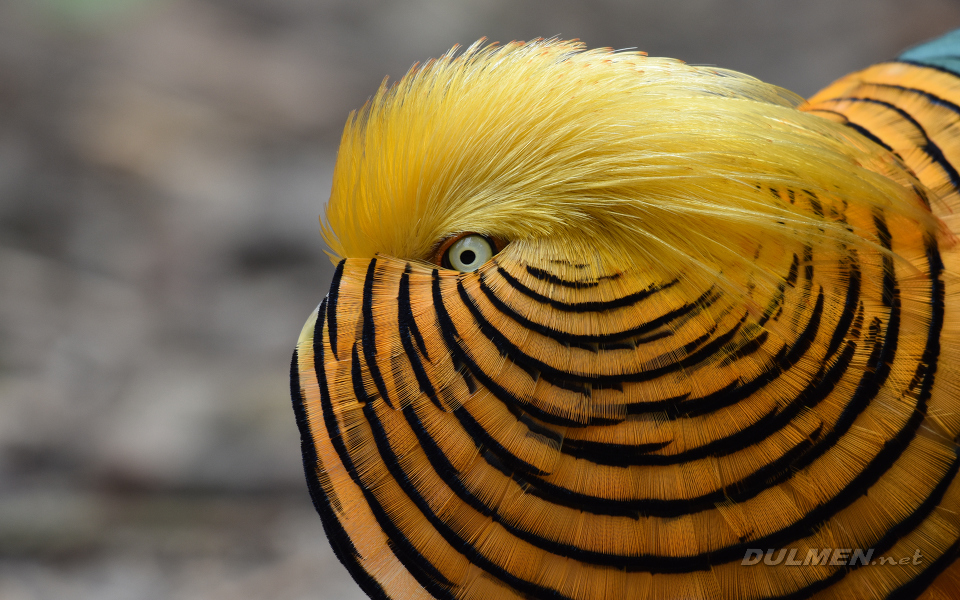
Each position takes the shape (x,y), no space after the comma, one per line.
(701,340)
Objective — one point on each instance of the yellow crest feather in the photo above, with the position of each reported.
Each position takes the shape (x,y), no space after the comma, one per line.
(635,161)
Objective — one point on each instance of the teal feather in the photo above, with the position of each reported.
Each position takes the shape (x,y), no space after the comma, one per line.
(943,52)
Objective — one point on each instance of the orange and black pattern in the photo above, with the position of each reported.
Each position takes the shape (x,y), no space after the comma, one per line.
(541,428)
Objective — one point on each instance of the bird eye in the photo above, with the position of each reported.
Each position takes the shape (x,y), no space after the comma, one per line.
(468,253)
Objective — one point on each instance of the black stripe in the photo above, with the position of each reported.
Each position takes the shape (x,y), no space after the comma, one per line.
(406,320)
(657,335)
(930,148)
(739,491)
(535,427)
(369,335)
(808,591)
(408,325)
(333,296)
(464,373)
(791,277)
(747,348)
(870,136)
(849,304)
(917,63)
(617,455)
(922,194)
(569,264)
(808,256)
(933,98)
(901,529)
(859,129)
(889,285)
(482,439)
(775,306)
(550,277)
(913,588)
(340,541)
(580,340)
(628,300)
(815,206)
(623,455)
(683,406)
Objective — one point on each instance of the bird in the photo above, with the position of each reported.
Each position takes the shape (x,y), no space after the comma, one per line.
(611,326)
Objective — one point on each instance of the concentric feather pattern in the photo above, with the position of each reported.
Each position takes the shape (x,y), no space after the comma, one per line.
(719,319)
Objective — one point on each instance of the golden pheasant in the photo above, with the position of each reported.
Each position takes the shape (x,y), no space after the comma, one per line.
(606,326)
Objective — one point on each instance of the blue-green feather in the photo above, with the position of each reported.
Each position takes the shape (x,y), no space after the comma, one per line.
(943,52)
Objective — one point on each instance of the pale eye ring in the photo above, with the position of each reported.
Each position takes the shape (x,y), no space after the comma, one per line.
(469,252)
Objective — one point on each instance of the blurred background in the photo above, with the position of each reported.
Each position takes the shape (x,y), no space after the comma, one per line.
(162,167)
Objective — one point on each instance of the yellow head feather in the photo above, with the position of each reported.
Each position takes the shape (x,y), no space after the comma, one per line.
(634,161)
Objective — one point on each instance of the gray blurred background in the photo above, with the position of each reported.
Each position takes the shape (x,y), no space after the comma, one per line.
(162,167)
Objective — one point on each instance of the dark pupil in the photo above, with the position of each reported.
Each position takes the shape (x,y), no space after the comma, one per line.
(467,257)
